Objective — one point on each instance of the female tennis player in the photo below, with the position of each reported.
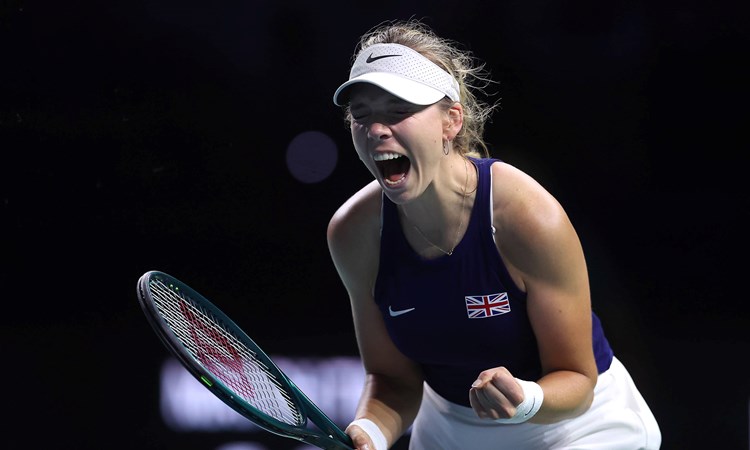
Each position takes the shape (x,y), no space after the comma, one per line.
(468,283)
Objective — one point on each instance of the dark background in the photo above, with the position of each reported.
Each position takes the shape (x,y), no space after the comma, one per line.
(139,135)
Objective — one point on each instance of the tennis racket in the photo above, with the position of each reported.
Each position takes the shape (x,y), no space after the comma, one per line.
(230,364)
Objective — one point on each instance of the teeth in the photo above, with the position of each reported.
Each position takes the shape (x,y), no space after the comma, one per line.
(385,156)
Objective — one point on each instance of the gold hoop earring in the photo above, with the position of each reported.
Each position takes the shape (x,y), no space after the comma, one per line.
(445,147)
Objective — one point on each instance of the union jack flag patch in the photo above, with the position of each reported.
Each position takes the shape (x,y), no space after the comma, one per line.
(481,306)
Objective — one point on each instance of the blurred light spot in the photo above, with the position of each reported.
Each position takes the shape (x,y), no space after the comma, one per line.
(311,156)
(334,384)
(241,446)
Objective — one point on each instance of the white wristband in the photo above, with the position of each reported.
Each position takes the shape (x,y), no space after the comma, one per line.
(533,396)
(376,436)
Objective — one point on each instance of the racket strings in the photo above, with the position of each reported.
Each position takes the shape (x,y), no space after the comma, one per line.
(230,360)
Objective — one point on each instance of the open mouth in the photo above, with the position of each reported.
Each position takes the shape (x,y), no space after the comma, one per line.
(393,167)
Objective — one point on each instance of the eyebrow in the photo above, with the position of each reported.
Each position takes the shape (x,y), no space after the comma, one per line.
(391,102)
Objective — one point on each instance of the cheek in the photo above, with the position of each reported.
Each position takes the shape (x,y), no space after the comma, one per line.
(359,135)
(359,139)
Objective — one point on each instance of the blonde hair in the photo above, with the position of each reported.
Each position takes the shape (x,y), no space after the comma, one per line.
(468,72)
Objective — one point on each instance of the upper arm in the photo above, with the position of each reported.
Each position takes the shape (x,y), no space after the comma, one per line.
(354,243)
(541,248)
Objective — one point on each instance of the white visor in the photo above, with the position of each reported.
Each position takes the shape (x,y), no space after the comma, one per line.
(403,72)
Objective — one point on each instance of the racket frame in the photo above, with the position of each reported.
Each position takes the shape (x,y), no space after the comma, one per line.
(331,437)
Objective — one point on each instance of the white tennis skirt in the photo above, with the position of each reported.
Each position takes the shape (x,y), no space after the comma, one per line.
(618,419)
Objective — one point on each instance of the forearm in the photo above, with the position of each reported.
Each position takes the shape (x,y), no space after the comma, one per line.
(567,394)
(390,403)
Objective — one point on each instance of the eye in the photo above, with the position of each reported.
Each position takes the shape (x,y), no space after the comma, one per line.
(403,109)
(360,119)
(358,114)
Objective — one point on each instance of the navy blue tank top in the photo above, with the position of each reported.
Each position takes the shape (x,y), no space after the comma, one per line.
(461,314)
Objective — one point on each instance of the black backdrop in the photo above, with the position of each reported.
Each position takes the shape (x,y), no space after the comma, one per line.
(146,135)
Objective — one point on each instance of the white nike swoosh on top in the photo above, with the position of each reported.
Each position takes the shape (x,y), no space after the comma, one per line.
(399,312)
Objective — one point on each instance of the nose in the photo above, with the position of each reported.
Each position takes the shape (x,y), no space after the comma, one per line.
(378,130)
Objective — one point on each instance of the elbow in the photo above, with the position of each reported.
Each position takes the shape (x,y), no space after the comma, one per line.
(565,402)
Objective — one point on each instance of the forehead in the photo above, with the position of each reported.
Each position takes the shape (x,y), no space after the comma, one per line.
(367,94)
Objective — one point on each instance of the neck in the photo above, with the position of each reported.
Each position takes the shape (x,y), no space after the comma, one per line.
(436,221)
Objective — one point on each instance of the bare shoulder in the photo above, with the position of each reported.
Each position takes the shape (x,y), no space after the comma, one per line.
(354,239)
(533,231)
(519,200)
(358,216)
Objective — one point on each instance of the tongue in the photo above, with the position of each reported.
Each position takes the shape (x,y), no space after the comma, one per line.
(394,176)
(395,169)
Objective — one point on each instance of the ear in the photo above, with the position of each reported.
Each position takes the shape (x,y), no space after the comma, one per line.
(454,122)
